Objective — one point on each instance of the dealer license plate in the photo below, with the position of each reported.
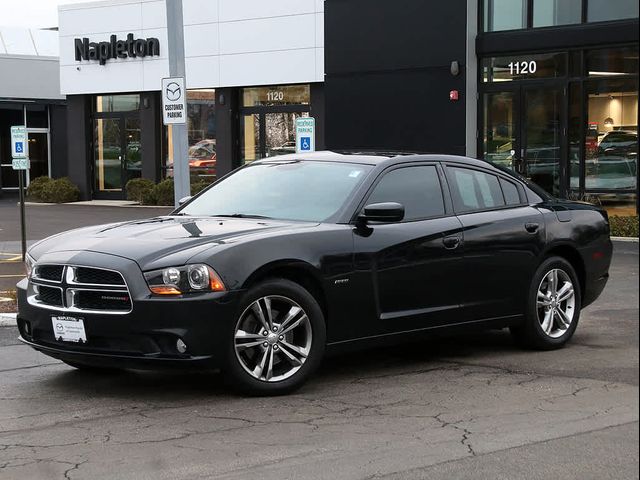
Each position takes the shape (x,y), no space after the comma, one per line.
(69,329)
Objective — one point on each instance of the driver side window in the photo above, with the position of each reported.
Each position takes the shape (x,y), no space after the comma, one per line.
(416,188)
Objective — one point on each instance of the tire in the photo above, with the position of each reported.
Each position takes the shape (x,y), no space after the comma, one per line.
(281,360)
(537,331)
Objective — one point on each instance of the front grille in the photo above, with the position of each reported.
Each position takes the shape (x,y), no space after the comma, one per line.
(101,300)
(96,276)
(50,295)
(79,289)
(52,273)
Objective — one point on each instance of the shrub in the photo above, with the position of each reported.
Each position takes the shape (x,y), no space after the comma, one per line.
(197,187)
(624,226)
(61,190)
(149,197)
(34,190)
(163,192)
(137,188)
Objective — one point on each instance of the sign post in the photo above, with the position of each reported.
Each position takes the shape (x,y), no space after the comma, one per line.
(175,37)
(305,134)
(20,155)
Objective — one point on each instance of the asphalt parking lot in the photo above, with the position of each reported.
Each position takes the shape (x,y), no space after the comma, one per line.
(45,220)
(464,407)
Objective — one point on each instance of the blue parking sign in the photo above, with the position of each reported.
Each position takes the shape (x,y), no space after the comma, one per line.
(19,147)
(305,144)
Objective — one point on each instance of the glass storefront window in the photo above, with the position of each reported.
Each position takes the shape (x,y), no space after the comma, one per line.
(604,10)
(556,12)
(504,15)
(611,145)
(612,61)
(276,95)
(522,67)
(201,132)
(201,114)
(117,103)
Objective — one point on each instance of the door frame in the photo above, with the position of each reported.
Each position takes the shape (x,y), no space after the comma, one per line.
(122,118)
(519,89)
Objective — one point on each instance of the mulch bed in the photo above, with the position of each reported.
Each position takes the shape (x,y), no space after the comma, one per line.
(7,302)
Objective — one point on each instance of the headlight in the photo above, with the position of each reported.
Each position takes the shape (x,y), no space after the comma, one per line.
(29,263)
(185,279)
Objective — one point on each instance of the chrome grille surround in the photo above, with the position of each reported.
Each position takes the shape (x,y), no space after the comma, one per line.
(71,288)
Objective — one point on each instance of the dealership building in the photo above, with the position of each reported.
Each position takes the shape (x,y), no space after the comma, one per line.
(30,95)
(546,87)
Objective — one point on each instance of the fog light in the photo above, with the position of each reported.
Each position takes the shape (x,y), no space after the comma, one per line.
(181,346)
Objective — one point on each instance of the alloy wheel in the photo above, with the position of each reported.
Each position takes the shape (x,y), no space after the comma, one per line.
(272,338)
(556,302)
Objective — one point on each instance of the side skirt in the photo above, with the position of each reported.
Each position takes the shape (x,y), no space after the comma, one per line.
(396,338)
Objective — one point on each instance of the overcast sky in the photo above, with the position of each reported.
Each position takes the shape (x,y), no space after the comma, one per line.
(31,13)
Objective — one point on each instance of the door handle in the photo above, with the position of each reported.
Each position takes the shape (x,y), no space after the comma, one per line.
(452,242)
(531,227)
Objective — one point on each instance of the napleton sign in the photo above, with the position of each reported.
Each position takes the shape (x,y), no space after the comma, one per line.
(114,48)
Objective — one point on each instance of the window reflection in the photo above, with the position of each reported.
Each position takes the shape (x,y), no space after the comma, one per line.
(611,145)
(556,12)
(504,15)
(201,134)
(603,10)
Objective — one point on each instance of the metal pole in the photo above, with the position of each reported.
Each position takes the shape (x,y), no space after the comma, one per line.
(175,36)
(23,231)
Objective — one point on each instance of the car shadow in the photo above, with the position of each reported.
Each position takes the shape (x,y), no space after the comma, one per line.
(169,387)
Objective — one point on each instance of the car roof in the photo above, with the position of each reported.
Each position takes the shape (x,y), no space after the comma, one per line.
(376,158)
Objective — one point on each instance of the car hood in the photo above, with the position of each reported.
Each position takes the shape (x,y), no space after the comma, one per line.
(171,238)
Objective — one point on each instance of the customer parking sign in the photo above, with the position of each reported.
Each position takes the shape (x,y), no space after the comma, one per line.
(305,134)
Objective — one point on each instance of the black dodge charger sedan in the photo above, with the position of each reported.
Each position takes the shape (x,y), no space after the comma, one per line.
(291,257)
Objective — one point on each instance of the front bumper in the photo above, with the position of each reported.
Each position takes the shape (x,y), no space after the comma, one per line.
(146,337)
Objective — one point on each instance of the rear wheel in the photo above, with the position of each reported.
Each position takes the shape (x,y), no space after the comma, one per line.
(278,339)
(553,308)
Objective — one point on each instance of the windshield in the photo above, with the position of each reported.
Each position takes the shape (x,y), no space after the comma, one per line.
(287,190)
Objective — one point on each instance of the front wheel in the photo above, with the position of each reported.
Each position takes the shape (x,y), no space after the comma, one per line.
(278,339)
(553,308)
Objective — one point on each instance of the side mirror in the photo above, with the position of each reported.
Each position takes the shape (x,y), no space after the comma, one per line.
(382,212)
(184,200)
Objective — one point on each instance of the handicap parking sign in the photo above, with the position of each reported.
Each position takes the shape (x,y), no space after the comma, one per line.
(305,134)
(19,147)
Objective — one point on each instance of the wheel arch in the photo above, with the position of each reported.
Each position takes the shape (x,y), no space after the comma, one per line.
(571,255)
(297,271)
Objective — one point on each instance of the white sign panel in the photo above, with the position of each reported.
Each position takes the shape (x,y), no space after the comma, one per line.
(174,101)
(19,144)
(20,164)
(305,134)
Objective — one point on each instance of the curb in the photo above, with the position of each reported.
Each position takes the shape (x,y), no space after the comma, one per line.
(625,239)
(83,204)
(8,319)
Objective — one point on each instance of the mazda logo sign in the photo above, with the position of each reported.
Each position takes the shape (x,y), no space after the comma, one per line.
(173,92)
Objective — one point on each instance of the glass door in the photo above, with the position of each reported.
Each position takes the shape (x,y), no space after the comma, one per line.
(264,135)
(108,155)
(542,139)
(38,154)
(280,133)
(523,131)
(117,155)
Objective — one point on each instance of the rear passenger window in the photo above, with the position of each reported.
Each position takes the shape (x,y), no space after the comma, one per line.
(416,188)
(474,190)
(511,195)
